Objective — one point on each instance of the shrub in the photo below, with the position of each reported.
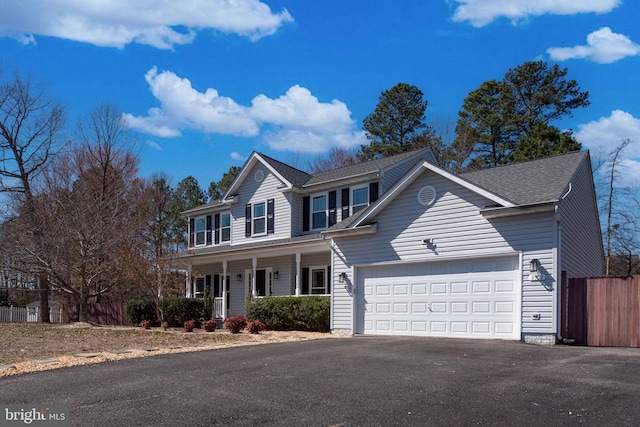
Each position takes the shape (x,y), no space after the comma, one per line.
(179,310)
(309,313)
(235,324)
(139,310)
(189,325)
(209,325)
(145,324)
(255,327)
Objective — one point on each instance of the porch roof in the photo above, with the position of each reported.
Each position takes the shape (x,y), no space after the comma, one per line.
(292,243)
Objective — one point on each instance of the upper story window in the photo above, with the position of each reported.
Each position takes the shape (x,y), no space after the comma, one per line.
(225,227)
(259,218)
(201,230)
(319,212)
(360,198)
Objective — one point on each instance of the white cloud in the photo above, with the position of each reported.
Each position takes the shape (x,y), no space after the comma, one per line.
(481,12)
(116,23)
(154,145)
(606,133)
(304,124)
(237,156)
(602,136)
(296,121)
(183,107)
(603,46)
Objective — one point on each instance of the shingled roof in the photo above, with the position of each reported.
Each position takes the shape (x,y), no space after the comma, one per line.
(535,181)
(363,168)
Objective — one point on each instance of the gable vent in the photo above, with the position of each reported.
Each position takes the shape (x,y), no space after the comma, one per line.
(259,176)
(427,195)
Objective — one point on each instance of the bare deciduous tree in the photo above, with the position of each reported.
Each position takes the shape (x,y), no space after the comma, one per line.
(31,124)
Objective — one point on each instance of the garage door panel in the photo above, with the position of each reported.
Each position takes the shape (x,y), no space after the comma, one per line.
(480,303)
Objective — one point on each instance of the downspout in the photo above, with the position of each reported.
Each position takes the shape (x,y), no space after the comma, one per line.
(562,310)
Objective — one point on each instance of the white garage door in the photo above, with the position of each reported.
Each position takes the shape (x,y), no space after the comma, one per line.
(472,299)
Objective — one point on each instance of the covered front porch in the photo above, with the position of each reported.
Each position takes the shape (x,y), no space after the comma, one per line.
(232,276)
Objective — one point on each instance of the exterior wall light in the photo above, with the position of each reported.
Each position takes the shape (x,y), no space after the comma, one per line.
(239,278)
(342,277)
(276,275)
(533,265)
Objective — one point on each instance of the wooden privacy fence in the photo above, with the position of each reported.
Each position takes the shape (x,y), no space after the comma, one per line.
(114,313)
(602,312)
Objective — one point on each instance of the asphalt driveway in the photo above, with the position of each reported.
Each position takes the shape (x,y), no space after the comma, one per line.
(362,381)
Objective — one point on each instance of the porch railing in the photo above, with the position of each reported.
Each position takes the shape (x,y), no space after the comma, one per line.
(217,308)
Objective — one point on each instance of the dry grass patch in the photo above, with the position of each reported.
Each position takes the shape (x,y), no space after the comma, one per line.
(25,343)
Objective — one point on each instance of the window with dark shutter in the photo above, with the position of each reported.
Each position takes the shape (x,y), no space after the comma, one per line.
(345,203)
(209,229)
(373,192)
(306,212)
(216,223)
(247,220)
(332,208)
(270,216)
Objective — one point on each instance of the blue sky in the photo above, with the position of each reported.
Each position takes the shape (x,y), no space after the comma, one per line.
(206,82)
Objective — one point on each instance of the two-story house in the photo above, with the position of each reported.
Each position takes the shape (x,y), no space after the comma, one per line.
(401,245)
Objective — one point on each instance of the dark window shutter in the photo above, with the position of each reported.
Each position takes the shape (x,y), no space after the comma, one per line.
(332,208)
(208,229)
(305,281)
(306,212)
(216,225)
(270,216)
(373,192)
(217,289)
(345,203)
(192,232)
(329,279)
(247,220)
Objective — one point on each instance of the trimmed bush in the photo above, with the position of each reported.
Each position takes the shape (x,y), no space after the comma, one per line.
(176,310)
(235,324)
(255,327)
(209,325)
(309,313)
(139,310)
(189,325)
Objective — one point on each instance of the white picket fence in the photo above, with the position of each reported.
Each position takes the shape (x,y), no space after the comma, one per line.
(29,314)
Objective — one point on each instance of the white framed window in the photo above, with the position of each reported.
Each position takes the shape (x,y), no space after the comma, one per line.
(319,211)
(201,230)
(200,291)
(259,218)
(318,281)
(225,227)
(359,198)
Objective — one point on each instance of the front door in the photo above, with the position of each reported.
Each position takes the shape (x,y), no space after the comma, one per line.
(263,282)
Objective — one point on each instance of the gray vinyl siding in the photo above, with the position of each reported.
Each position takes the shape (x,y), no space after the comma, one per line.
(256,192)
(454,223)
(581,252)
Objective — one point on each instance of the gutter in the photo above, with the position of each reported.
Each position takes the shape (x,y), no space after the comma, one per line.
(358,231)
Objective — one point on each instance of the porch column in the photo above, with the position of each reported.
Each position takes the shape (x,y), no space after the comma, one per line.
(254,291)
(298,258)
(224,289)
(189,282)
